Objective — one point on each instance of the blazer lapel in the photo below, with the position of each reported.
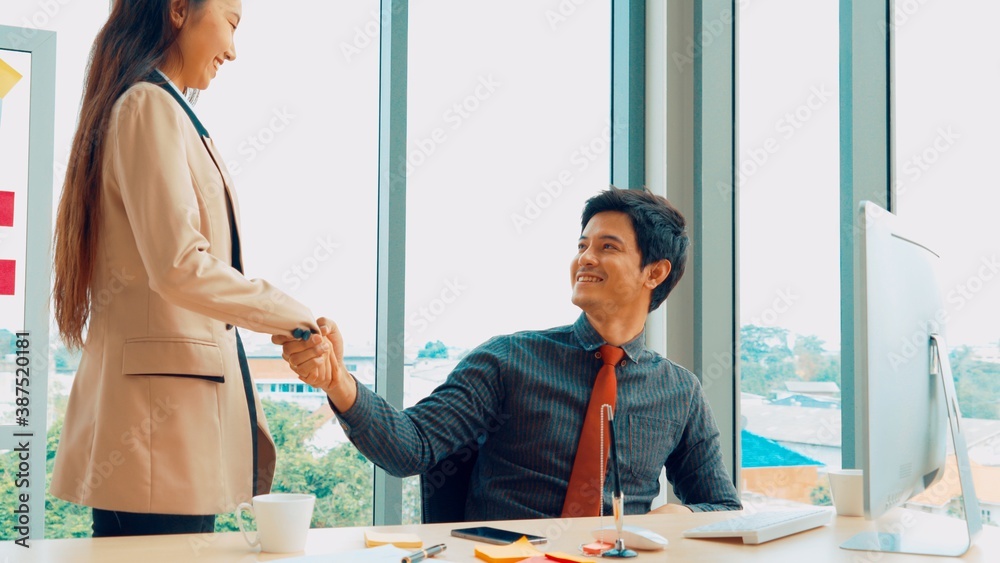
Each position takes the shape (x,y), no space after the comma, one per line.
(227,181)
(231,203)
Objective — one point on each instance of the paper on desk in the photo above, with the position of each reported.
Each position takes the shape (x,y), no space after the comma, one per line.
(510,553)
(381,554)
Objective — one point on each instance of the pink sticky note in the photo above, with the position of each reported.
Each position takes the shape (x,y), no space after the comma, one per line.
(6,209)
(7,277)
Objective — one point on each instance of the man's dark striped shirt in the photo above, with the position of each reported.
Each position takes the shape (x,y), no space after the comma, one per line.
(520,399)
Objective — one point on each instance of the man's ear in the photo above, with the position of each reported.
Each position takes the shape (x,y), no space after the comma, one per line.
(656,273)
(178,12)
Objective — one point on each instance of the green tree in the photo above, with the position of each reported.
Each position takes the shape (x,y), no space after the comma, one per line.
(764,344)
(411,500)
(766,361)
(7,339)
(341,478)
(977,384)
(62,519)
(830,369)
(65,359)
(820,496)
(435,349)
(809,357)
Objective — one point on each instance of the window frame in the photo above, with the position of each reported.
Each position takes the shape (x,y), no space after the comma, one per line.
(866,156)
(680,145)
(704,336)
(41,45)
(628,39)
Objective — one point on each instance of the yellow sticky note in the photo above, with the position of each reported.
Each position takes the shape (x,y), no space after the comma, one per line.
(402,541)
(510,553)
(8,78)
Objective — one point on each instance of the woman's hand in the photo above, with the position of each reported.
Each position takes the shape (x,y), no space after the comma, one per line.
(319,362)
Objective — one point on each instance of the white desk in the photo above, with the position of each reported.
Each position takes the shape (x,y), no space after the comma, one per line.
(815,546)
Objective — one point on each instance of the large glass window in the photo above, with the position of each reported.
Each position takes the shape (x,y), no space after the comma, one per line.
(302,148)
(15,89)
(945,146)
(296,119)
(508,134)
(76,24)
(788,185)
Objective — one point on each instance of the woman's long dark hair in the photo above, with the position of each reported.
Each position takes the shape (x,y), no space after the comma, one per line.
(134,41)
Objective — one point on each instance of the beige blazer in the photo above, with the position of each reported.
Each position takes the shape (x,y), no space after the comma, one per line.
(158,420)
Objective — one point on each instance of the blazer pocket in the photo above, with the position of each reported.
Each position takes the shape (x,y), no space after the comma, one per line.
(178,357)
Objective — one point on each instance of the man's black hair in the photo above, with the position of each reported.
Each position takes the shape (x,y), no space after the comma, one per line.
(659,231)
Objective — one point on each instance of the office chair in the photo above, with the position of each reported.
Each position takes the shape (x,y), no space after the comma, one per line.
(444,488)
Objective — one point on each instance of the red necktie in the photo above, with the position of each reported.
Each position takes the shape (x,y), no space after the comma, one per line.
(584,495)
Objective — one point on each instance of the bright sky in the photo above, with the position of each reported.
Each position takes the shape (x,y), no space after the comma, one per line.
(500,111)
(946,118)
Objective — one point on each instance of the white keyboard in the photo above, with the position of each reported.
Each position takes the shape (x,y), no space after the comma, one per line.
(763,526)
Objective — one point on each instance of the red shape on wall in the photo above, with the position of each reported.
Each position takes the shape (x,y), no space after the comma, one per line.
(6,209)
(7,277)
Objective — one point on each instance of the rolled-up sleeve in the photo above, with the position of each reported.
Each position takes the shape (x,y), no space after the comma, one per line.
(695,467)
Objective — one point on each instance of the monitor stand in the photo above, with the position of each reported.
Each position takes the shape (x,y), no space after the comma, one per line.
(947,546)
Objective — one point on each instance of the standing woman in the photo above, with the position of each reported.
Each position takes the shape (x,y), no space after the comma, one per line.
(164,429)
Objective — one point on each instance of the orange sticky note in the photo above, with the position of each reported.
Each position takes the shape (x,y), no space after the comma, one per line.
(510,553)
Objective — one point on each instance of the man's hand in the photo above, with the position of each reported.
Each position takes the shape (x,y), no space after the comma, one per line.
(319,362)
(671,509)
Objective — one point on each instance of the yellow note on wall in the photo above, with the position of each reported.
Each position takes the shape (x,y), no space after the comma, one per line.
(8,78)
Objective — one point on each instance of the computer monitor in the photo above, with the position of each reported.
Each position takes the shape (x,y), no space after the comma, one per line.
(903,396)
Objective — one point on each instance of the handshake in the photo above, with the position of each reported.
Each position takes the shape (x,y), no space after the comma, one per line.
(319,361)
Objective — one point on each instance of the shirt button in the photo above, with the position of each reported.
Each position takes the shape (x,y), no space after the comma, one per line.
(597,355)
(623,363)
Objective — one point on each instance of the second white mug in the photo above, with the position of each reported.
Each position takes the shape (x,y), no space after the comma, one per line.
(847,490)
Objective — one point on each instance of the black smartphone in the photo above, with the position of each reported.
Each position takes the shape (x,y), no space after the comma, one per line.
(495,535)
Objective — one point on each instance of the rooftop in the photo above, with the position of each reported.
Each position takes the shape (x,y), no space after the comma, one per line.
(761,452)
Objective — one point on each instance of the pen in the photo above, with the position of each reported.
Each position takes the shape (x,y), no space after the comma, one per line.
(617,498)
(424,553)
(302,333)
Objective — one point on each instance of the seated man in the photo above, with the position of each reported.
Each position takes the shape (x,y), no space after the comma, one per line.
(533,399)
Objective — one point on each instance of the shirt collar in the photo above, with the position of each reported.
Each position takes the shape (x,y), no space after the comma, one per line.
(591,340)
(176,89)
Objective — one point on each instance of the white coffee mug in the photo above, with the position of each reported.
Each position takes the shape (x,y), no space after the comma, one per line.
(846,488)
(282,521)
